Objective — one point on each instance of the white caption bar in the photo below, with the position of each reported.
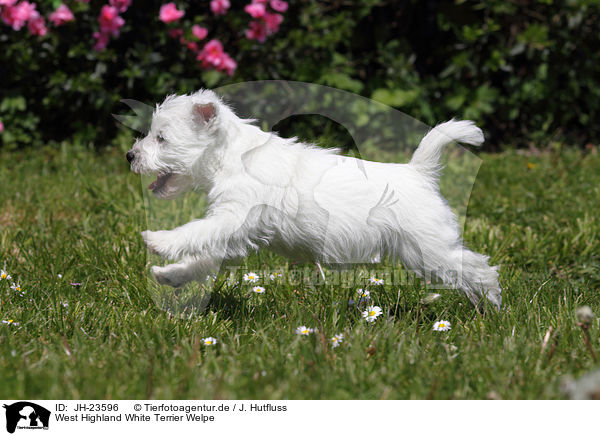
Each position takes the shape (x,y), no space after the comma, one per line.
(151,417)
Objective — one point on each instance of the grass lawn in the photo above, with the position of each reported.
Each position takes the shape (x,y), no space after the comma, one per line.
(78,213)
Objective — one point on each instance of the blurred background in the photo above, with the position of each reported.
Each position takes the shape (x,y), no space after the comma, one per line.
(525,70)
(76,304)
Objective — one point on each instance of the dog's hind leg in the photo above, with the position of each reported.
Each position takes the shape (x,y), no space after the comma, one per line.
(456,266)
(465,270)
(178,274)
(479,279)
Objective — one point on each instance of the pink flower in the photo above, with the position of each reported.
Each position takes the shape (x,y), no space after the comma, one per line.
(279,5)
(110,25)
(175,33)
(107,14)
(212,53)
(228,65)
(61,15)
(257,31)
(1,127)
(265,23)
(16,16)
(23,11)
(219,7)
(272,21)
(37,25)
(256,10)
(6,15)
(199,32)
(169,13)
(192,46)
(110,21)
(101,40)
(213,56)
(121,5)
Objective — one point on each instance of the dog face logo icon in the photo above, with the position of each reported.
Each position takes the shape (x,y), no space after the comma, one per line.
(26,415)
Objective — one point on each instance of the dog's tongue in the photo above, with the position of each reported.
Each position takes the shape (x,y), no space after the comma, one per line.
(159,182)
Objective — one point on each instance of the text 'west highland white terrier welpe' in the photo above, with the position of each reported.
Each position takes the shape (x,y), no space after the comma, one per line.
(301,201)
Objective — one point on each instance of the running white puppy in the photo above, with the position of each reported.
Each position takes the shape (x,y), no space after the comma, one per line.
(301,201)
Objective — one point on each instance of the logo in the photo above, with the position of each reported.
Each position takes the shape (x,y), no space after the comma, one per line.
(26,415)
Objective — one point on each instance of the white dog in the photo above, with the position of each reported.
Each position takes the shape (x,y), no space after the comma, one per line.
(304,202)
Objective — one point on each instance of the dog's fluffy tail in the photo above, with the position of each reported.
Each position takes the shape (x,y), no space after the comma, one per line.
(427,156)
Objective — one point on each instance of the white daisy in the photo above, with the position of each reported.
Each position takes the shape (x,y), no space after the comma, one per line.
(304,331)
(274,276)
(375,281)
(4,275)
(9,322)
(258,290)
(364,294)
(441,326)
(372,313)
(17,288)
(336,340)
(251,277)
(209,341)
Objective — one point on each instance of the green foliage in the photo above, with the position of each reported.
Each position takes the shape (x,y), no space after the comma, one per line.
(523,70)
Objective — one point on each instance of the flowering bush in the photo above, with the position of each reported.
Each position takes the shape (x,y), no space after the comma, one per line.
(97,37)
(16,14)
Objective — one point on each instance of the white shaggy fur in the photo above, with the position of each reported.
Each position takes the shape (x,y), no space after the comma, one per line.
(304,202)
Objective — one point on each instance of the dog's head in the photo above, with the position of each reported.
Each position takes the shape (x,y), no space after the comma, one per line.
(184,128)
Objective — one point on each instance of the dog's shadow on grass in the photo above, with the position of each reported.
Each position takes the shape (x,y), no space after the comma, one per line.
(226,302)
(231,302)
(195,300)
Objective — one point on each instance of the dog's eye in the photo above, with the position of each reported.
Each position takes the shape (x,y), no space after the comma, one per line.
(160,138)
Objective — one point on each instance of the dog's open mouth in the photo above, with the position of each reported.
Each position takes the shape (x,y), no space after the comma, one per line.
(160,181)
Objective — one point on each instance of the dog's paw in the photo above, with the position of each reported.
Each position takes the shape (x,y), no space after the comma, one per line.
(160,242)
(165,276)
(495,297)
(150,241)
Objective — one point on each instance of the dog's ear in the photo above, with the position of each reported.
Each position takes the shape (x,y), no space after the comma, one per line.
(204,113)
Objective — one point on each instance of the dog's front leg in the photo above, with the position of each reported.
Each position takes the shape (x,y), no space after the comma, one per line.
(213,236)
(178,274)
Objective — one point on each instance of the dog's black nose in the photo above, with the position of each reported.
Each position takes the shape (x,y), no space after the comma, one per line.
(130,156)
